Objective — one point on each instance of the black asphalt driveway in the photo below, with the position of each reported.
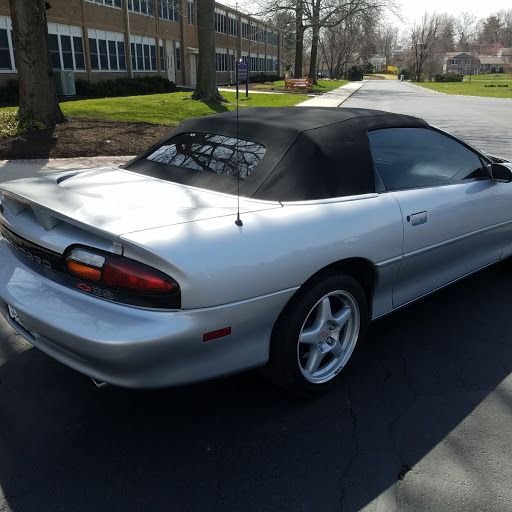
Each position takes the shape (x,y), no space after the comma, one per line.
(486,123)
(422,421)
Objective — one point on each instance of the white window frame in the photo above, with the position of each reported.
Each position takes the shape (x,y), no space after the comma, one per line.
(245,22)
(223,21)
(6,24)
(221,64)
(171,7)
(107,36)
(105,3)
(132,9)
(144,40)
(71,31)
(191,9)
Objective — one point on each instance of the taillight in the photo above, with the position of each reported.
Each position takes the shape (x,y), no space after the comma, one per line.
(118,273)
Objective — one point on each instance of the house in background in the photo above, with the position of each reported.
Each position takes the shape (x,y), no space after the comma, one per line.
(378,63)
(491,64)
(505,54)
(462,63)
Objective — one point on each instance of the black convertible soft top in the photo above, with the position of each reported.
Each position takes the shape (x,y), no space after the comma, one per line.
(311,152)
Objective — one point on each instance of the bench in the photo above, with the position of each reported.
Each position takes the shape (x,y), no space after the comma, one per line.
(297,83)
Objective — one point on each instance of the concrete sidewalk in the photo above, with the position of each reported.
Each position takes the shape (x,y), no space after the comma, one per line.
(15,169)
(333,98)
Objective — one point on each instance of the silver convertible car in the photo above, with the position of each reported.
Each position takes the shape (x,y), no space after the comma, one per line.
(271,241)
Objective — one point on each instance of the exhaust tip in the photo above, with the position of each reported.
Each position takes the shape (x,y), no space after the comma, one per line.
(99,383)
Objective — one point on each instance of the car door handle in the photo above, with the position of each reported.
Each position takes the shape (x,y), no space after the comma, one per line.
(417,218)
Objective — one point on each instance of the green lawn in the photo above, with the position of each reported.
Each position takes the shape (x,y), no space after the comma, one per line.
(323,86)
(495,86)
(167,109)
(493,77)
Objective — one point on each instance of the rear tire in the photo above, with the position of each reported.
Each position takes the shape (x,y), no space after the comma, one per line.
(316,334)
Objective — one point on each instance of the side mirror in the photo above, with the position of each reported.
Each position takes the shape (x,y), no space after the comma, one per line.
(501,173)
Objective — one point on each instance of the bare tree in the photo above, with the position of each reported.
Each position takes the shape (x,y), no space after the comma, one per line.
(316,15)
(340,46)
(465,30)
(423,39)
(37,93)
(322,14)
(206,87)
(386,37)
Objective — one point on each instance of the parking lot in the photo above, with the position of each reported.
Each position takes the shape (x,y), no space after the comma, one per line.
(422,421)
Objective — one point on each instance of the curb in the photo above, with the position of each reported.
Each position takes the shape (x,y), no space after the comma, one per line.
(64,163)
(348,89)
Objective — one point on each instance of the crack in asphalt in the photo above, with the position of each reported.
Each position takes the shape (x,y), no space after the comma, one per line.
(404,466)
(354,443)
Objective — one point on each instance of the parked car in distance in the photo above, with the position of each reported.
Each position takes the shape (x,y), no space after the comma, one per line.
(268,242)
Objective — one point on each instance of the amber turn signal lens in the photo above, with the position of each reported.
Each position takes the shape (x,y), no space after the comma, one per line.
(83,271)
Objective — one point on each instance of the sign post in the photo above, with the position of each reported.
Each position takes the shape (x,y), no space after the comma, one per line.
(242,75)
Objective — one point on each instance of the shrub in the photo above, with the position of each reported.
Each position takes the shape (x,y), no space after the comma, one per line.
(124,87)
(368,68)
(105,88)
(9,94)
(449,77)
(261,78)
(355,73)
(10,125)
(406,74)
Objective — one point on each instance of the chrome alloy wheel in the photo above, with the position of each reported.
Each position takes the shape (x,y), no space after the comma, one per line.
(328,336)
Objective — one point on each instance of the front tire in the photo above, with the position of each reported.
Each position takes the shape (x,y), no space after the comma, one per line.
(317,333)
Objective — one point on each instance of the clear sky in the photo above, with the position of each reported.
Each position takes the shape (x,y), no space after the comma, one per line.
(414,9)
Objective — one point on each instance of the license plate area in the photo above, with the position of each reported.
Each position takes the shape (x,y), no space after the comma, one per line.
(17,324)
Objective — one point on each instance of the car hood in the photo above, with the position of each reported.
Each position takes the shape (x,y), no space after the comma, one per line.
(117,201)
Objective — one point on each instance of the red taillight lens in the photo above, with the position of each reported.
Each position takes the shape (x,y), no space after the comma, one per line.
(134,277)
(118,272)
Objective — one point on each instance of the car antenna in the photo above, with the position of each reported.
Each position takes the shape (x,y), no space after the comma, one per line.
(238,220)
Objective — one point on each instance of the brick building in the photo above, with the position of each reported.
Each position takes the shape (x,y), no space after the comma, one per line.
(105,39)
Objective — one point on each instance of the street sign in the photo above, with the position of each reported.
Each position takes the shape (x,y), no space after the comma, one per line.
(242,75)
(242,71)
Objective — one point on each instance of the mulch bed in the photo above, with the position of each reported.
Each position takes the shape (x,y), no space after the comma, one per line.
(83,138)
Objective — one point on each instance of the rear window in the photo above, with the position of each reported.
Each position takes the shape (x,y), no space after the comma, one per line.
(210,153)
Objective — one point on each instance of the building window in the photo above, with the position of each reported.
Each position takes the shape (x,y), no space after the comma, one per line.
(232,25)
(66,47)
(253,32)
(78,47)
(221,59)
(109,3)
(67,52)
(146,7)
(245,29)
(170,10)
(107,50)
(191,12)
(220,21)
(143,53)
(178,56)
(6,50)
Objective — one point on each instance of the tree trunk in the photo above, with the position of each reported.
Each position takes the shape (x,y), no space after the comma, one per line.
(299,39)
(38,96)
(206,87)
(314,41)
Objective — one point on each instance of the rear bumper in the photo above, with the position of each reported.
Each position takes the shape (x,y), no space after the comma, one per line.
(133,347)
